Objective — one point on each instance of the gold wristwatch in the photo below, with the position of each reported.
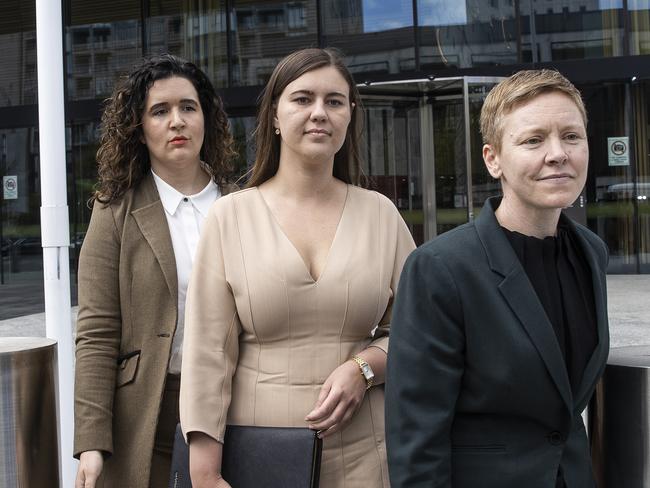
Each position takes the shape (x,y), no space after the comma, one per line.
(366,371)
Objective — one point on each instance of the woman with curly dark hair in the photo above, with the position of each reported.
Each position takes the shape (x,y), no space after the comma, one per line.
(164,158)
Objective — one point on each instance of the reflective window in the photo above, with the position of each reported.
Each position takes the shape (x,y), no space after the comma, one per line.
(377,37)
(82,141)
(20,233)
(18,58)
(639,22)
(450,162)
(466,34)
(197,33)
(242,130)
(103,41)
(483,185)
(642,188)
(263,32)
(610,181)
(392,161)
(567,29)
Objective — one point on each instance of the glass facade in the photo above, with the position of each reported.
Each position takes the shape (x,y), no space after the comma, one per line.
(263,32)
(641,192)
(603,45)
(192,30)
(377,37)
(564,30)
(450,162)
(22,255)
(392,156)
(466,34)
(102,41)
(18,54)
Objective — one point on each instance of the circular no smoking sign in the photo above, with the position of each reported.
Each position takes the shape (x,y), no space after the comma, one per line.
(619,148)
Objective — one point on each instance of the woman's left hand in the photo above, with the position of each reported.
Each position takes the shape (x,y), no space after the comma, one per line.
(339,399)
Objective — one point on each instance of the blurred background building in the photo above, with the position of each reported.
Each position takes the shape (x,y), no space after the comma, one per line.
(423,66)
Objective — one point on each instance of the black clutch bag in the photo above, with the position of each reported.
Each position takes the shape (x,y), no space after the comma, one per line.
(281,457)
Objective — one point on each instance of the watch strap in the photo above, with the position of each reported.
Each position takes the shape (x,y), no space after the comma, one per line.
(362,363)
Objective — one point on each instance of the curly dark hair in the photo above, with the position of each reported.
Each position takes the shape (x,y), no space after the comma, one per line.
(123,160)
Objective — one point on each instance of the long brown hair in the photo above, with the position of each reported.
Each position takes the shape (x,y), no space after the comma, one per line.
(347,161)
(122,158)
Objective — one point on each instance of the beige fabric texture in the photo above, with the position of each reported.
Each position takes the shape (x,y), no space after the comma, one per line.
(261,336)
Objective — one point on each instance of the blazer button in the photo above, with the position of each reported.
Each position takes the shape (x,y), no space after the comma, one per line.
(555,438)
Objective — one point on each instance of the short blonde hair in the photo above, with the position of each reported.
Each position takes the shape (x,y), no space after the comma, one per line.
(518,89)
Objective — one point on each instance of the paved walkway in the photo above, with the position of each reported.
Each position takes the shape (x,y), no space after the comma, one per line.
(27,297)
(629,313)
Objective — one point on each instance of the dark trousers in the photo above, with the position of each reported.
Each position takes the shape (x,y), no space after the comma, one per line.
(163,445)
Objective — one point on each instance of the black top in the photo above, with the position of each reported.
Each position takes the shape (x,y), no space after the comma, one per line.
(561,278)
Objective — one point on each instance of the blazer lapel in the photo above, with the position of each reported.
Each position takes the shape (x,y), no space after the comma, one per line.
(599,357)
(149,214)
(521,297)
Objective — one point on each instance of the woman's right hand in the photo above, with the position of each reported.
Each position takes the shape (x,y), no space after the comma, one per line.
(205,461)
(91,464)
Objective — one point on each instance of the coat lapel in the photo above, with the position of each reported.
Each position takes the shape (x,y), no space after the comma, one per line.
(520,295)
(598,359)
(149,214)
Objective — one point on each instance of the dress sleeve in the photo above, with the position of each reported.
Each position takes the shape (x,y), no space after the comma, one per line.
(211,337)
(99,327)
(424,373)
(400,248)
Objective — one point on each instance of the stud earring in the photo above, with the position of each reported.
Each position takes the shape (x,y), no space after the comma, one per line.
(277,132)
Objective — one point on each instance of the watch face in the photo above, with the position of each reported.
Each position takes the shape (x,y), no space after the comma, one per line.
(367,372)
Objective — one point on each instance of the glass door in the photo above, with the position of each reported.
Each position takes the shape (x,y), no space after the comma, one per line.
(612,193)
(462,183)
(642,184)
(393,156)
(423,149)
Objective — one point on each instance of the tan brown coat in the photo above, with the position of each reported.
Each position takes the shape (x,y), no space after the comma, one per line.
(127,318)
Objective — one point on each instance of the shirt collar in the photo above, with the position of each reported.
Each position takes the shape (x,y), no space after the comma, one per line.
(171,197)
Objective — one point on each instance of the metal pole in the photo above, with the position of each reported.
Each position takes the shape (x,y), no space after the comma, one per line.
(55,233)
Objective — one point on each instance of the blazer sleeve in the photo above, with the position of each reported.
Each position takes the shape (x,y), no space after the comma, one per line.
(211,336)
(398,241)
(424,373)
(99,327)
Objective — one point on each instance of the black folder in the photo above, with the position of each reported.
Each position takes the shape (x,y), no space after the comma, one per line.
(254,457)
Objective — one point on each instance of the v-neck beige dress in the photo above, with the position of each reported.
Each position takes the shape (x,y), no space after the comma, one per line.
(261,336)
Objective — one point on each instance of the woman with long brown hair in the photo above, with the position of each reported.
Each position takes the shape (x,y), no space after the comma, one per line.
(288,310)
(164,157)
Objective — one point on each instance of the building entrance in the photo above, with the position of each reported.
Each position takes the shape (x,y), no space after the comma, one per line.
(423,149)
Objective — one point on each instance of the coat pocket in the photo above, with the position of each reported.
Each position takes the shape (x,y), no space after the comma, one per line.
(127,367)
(478,448)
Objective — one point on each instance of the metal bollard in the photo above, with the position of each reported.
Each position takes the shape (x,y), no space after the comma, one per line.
(29,456)
(625,422)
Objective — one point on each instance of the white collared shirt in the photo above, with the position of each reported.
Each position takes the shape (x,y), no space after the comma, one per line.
(185,215)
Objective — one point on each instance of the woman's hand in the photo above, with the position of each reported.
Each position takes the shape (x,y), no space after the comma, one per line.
(339,399)
(212,482)
(90,467)
(205,461)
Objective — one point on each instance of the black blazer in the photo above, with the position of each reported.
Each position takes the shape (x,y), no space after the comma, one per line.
(477,393)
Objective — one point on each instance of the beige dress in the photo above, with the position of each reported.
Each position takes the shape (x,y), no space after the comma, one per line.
(261,336)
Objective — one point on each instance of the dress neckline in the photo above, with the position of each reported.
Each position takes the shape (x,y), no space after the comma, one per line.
(305,267)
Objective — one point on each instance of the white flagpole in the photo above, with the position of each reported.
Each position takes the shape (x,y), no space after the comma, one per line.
(55,231)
